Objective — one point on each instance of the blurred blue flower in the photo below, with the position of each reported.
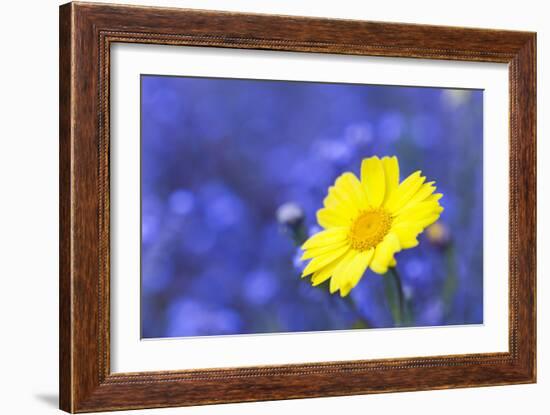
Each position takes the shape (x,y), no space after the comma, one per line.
(260,287)
(432,314)
(160,101)
(358,134)
(416,269)
(197,238)
(224,211)
(157,276)
(390,126)
(425,130)
(151,213)
(149,227)
(336,151)
(223,208)
(181,202)
(190,318)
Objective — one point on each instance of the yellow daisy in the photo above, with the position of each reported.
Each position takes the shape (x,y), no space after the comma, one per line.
(367,221)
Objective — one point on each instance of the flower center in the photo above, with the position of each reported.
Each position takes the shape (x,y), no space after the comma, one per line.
(369,228)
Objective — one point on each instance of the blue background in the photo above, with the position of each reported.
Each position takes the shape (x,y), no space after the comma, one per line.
(220,156)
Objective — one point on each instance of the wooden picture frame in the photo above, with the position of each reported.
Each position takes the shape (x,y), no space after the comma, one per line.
(86,33)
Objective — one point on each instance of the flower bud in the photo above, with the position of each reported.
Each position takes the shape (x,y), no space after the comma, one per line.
(439,234)
(290,214)
(291,217)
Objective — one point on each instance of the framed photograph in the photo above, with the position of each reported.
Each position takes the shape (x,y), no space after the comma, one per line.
(259,207)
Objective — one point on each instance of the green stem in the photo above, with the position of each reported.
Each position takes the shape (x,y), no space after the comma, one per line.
(449,286)
(400,292)
(298,234)
(396,298)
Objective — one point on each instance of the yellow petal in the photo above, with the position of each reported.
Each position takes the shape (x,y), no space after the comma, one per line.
(384,252)
(407,234)
(337,211)
(330,218)
(421,195)
(356,191)
(337,199)
(418,212)
(391,173)
(428,220)
(313,252)
(406,190)
(354,271)
(326,237)
(374,181)
(320,261)
(342,263)
(343,188)
(333,204)
(323,274)
(435,197)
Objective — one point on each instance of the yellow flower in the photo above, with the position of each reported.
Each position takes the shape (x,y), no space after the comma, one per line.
(367,221)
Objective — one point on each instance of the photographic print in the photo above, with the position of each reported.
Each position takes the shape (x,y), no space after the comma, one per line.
(285,206)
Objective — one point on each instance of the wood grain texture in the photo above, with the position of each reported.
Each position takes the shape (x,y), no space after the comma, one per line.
(86,33)
(65,247)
